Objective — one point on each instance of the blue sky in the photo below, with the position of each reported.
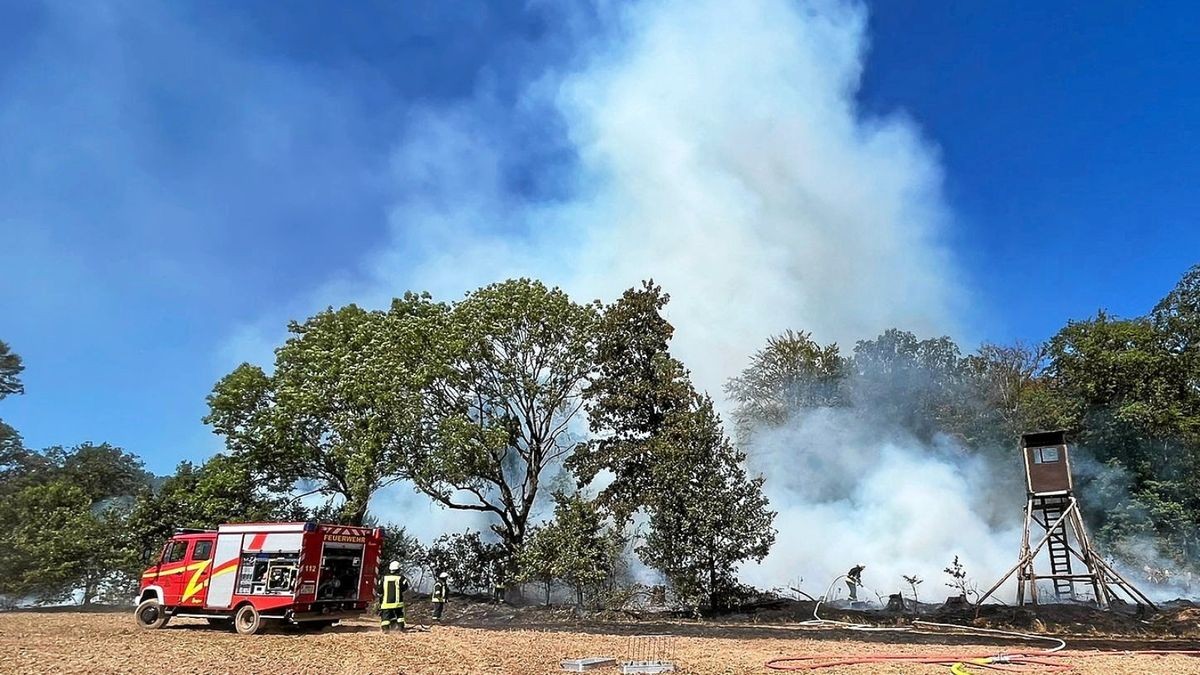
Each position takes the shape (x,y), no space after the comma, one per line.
(175,177)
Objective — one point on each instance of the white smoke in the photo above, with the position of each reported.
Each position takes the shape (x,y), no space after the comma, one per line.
(720,150)
(850,494)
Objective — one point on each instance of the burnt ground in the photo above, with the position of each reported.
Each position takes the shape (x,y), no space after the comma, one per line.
(1176,622)
(482,638)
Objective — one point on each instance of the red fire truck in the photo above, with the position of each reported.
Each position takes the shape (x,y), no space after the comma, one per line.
(246,575)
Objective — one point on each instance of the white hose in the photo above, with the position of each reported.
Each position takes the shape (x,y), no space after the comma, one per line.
(818,622)
(1062,644)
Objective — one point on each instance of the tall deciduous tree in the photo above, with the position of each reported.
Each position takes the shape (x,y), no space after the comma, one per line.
(790,374)
(321,417)
(46,544)
(500,385)
(708,515)
(637,387)
(63,521)
(909,384)
(668,456)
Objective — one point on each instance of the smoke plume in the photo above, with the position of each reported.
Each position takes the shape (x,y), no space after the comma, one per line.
(715,147)
(719,149)
(849,492)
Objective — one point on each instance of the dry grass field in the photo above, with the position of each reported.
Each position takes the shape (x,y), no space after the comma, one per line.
(108,642)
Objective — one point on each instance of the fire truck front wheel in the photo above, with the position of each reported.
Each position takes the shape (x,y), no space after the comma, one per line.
(247,620)
(151,614)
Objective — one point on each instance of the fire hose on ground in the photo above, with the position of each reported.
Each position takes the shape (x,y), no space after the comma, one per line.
(1042,660)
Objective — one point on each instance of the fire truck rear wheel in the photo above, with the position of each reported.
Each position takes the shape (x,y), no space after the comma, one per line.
(151,614)
(247,620)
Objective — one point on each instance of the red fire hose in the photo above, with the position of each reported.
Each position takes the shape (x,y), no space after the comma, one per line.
(1014,663)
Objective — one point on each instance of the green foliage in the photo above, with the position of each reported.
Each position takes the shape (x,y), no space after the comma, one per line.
(911,385)
(637,388)
(64,521)
(708,516)
(791,373)
(502,379)
(321,416)
(400,546)
(575,548)
(102,471)
(222,490)
(669,456)
(10,371)
(1177,318)
(467,559)
(1133,404)
(46,544)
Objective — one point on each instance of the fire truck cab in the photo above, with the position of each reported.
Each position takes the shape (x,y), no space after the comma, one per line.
(249,574)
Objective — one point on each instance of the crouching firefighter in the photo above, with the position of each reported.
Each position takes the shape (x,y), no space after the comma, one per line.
(439,595)
(391,598)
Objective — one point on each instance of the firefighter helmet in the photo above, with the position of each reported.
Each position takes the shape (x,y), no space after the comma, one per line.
(395,566)
(444,575)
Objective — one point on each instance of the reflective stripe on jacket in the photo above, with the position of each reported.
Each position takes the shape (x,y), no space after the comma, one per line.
(439,592)
(392,593)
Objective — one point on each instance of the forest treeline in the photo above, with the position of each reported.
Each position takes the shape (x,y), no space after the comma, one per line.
(567,423)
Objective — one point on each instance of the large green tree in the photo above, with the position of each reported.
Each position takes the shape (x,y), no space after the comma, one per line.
(500,378)
(708,515)
(635,390)
(46,542)
(668,456)
(64,521)
(792,373)
(322,418)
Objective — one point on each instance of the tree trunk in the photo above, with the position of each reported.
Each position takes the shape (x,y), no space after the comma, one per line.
(354,512)
(712,588)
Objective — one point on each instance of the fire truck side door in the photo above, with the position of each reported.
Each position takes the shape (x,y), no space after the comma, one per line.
(199,570)
(224,571)
(172,571)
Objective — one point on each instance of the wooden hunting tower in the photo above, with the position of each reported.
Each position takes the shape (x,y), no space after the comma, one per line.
(1052,513)
(1047,462)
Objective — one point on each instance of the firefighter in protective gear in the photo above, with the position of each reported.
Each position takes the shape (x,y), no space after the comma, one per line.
(440,591)
(498,585)
(391,598)
(854,580)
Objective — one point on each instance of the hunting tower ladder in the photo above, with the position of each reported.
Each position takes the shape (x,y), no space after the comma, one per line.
(1053,520)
